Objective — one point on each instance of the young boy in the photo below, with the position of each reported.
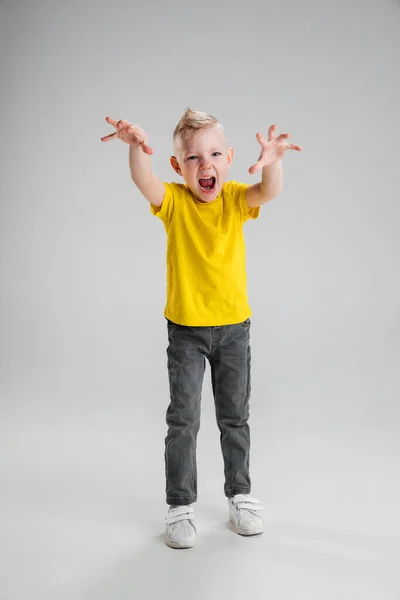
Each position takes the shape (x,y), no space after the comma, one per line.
(207,309)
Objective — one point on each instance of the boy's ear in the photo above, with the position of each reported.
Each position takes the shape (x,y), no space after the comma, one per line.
(175,165)
(230,155)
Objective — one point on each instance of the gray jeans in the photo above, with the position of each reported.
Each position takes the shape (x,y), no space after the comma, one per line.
(227,348)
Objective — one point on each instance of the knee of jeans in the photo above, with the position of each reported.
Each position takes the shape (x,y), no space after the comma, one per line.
(183,418)
(234,419)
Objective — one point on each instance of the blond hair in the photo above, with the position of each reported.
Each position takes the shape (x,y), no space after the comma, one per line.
(191,122)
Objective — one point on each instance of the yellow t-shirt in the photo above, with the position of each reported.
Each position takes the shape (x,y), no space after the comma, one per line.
(206,255)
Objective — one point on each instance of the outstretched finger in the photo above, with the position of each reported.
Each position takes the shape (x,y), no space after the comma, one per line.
(293,147)
(107,138)
(112,121)
(283,136)
(261,138)
(254,168)
(146,149)
(112,136)
(271,133)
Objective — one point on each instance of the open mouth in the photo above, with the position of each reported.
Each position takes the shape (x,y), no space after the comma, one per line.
(207,184)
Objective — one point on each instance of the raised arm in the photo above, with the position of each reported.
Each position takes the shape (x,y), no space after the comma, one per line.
(150,186)
(270,162)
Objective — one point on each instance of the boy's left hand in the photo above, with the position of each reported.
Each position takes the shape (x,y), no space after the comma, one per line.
(272,149)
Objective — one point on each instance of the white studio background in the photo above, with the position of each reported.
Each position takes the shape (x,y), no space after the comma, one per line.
(83,366)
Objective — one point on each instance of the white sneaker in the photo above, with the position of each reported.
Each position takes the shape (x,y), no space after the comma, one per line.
(180,527)
(243,513)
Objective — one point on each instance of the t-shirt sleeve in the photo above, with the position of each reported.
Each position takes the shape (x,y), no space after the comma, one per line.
(239,191)
(164,212)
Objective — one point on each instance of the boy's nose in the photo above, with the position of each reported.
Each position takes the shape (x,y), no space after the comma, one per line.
(204,164)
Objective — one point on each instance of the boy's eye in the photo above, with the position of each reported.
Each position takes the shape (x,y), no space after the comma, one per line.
(194,156)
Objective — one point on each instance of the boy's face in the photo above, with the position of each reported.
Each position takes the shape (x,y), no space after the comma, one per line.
(203,160)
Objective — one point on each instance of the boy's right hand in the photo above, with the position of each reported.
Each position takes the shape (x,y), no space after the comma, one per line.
(128,133)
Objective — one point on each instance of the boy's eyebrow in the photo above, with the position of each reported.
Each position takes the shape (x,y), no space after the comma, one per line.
(194,151)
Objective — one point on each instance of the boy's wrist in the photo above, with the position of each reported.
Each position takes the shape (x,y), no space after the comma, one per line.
(138,146)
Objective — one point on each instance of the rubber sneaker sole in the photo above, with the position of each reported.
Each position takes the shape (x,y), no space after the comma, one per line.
(179,545)
(247,532)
